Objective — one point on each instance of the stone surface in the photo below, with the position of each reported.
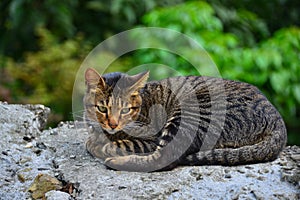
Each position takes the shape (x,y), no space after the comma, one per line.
(21,158)
(57,195)
(27,151)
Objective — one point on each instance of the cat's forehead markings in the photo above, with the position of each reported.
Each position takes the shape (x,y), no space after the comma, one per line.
(114,101)
(109,103)
(104,103)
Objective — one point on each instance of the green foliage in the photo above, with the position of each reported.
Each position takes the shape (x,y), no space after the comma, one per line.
(284,69)
(187,17)
(95,19)
(21,18)
(206,29)
(242,23)
(47,77)
(276,13)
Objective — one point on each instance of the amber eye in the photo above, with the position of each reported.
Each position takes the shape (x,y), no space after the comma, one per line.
(125,110)
(102,109)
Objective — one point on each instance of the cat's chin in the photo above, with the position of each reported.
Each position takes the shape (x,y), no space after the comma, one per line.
(111,132)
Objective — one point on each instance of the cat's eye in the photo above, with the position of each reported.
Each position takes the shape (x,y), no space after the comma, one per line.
(102,109)
(125,110)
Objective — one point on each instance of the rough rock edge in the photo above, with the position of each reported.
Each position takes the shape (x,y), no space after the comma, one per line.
(41,114)
(67,160)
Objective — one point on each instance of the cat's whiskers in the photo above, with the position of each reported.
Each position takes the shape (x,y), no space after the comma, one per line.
(77,114)
(78,117)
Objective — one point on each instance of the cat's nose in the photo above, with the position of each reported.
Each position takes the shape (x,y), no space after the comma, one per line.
(113,126)
(112,123)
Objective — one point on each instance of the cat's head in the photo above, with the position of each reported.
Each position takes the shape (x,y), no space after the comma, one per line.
(113,100)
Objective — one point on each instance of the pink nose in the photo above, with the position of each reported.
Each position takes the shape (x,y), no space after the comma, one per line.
(113,126)
(112,123)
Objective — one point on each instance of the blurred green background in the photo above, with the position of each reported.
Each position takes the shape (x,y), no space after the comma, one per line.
(43,43)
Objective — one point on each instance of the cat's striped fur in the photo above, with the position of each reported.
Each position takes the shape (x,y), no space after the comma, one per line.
(189,120)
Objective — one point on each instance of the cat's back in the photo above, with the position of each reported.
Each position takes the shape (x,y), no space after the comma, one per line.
(245,108)
(184,86)
(234,97)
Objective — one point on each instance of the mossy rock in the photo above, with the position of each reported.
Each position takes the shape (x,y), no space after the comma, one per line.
(42,184)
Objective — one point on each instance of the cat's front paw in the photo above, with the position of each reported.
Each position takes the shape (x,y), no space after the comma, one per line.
(125,163)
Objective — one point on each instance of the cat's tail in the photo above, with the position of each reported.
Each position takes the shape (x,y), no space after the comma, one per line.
(266,150)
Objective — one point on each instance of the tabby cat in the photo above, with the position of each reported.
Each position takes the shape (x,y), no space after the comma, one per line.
(192,120)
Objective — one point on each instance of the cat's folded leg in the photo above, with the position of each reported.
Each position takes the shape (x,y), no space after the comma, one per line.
(159,160)
(104,150)
(123,163)
(95,148)
(134,163)
(137,163)
(100,147)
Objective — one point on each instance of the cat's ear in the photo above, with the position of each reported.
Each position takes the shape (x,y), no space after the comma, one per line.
(92,78)
(139,81)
